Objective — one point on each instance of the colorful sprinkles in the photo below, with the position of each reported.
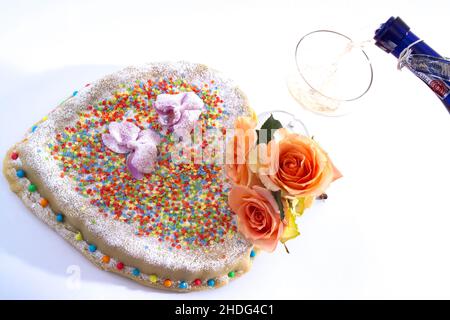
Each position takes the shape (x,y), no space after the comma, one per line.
(43,202)
(167,283)
(165,203)
(136,272)
(20,173)
(78,150)
(153,278)
(183,285)
(197,282)
(78,237)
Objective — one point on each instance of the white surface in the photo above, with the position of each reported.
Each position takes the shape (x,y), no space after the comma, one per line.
(384,232)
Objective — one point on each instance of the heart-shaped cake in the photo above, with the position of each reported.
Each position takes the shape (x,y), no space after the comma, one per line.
(102,170)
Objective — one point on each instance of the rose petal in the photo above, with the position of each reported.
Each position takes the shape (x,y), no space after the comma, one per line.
(235,196)
(268,183)
(304,167)
(270,244)
(266,194)
(336,173)
(257,215)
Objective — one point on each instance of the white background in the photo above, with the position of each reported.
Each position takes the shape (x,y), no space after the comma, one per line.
(385,230)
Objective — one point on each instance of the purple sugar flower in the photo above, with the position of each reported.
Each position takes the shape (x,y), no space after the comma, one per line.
(140,145)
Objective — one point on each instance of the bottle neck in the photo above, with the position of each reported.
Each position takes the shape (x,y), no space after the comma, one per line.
(419,48)
(394,36)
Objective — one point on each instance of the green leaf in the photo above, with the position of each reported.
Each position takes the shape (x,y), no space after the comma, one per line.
(270,124)
(278,199)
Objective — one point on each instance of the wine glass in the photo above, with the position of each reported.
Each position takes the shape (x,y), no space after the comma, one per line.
(331,73)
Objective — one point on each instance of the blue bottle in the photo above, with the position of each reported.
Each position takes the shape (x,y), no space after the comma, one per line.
(394,36)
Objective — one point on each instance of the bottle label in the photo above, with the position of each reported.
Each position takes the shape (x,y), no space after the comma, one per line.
(434,71)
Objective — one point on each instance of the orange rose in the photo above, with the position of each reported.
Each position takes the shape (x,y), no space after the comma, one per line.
(237,150)
(293,163)
(258,215)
